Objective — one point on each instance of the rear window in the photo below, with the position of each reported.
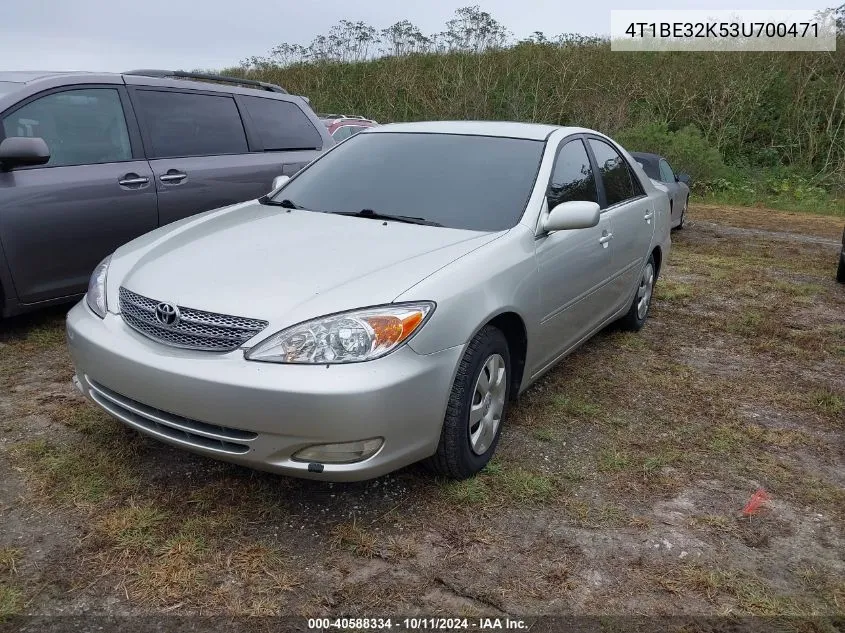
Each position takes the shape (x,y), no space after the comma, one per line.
(649,166)
(186,124)
(282,125)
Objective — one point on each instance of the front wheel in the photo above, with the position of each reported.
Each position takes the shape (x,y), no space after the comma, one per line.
(477,407)
(840,272)
(634,320)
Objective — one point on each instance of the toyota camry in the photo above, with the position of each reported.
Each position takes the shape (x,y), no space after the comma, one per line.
(382,307)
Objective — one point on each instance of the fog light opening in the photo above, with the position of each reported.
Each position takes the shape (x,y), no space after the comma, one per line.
(341,453)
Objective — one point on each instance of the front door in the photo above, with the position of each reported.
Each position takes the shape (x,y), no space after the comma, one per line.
(58,220)
(574,265)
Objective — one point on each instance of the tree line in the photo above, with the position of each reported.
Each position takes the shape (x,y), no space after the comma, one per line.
(754,109)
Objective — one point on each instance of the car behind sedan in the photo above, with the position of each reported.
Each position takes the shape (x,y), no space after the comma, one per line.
(340,332)
(676,186)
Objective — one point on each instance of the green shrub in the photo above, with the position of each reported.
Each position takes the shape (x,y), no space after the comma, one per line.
(686,149)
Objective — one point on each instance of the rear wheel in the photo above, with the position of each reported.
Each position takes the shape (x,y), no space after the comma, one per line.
(634,320)
(840,272)
(477,407)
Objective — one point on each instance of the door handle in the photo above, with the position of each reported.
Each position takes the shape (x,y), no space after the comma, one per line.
(133,180)
(604,239)
(647,217)
(173,176)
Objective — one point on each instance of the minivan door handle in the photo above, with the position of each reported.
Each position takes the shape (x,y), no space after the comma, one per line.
(173,176)
(648,215)
(133,181)
(605,238)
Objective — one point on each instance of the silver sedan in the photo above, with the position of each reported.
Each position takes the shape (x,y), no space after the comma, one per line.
(380,308)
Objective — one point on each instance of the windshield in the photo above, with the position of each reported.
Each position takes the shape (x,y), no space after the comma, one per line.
(480,183)
(8,86)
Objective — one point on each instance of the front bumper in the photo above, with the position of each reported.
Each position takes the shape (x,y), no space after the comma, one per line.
(260,414)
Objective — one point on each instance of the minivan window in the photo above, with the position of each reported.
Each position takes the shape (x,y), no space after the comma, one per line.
(282,125)
(187,124)
(81,127)
(480,183)
(614,171)
(572,177)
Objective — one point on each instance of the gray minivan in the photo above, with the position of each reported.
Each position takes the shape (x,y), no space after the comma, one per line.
(91,161)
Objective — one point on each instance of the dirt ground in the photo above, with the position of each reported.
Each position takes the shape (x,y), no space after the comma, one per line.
(618,487)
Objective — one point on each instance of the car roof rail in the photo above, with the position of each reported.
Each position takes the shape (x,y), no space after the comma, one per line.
(178,74)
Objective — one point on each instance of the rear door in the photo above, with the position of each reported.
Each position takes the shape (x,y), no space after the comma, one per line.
(207,149)
(197,148)
(631,212)
(58,220)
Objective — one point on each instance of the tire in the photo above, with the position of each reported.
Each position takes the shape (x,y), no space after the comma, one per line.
(637,314)
(840,272)
(465,448)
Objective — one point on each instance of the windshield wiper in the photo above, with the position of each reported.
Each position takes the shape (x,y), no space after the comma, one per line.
(369,213)
(287,204)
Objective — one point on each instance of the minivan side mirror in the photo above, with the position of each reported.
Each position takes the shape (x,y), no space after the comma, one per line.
(23,151)
(684,178)
(575,214)
(278,181)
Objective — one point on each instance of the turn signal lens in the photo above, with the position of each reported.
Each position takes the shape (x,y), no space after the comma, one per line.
(349,337)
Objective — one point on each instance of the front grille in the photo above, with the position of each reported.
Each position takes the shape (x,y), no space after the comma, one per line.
(196,329)
(221,439)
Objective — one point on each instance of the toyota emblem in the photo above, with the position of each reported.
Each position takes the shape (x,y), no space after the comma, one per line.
(167,314)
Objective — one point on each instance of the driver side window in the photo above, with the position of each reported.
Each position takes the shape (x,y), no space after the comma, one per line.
(81,127)
(572,176)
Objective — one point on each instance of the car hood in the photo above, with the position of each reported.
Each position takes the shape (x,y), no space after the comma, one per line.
(283,266)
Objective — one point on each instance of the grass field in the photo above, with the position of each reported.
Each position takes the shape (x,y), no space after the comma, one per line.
(618,486)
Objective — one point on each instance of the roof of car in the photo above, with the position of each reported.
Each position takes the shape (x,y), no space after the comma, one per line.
(151,76)
(535,131)
(23,76)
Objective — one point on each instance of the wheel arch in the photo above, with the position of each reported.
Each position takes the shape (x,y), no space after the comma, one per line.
(512,326)
(657,253)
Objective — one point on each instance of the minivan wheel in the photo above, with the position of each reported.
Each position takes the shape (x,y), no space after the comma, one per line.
(840,272)
(638,312)
(477,407)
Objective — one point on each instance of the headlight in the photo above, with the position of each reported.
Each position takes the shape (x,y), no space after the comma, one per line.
(96,295)
(348,337)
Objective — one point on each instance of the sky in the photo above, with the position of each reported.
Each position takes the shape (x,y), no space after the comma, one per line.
(119,35)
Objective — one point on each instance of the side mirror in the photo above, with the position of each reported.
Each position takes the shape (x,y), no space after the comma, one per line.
(23,151)
(684,178)
(278,181)
(575,214)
